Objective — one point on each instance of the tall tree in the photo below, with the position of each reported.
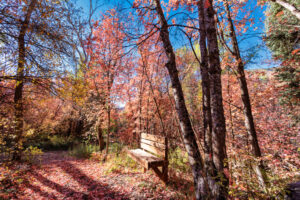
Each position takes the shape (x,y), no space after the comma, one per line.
(217,111)
(207,122)
(18,99)
(249,121)
(35,31)
(283,39)
(195,159)
(108,61)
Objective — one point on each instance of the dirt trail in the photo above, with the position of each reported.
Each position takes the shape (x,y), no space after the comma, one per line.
(59,176)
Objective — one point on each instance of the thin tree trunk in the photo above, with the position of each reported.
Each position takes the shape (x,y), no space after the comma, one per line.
(100,137)
(289,7)
(108,130)
(110,77)
(249,122)
(18,98)
(147,114)
(175,117)
(140,109)
(217,111)
(154,99)
(195,159)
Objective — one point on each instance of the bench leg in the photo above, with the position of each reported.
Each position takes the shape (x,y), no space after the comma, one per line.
(165,173)
(162,175)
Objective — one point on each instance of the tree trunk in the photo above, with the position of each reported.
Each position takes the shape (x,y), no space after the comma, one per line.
(217,111)
(100,138)
(289,7)
(195,159)
(108,129)
(206,103)
(207,125)
(110,77)
(136,137)
(18,98)
(249,122)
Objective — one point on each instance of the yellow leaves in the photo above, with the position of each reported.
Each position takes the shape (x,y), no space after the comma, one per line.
(18,83)
(29,132)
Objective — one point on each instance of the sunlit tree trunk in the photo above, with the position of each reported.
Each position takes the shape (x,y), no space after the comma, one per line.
(206,103)
(249,121)
(217,111)
(205,88)
(18,97)
(195,159)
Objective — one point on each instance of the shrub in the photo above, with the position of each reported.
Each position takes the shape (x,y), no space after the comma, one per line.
(178,160)
(120,162)
(31,153)
(47,142)
(115,148)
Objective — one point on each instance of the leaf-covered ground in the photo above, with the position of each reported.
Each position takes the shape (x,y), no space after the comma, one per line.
(59,176)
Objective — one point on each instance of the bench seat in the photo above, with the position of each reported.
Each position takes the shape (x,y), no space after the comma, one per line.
(152,154)
(144,158)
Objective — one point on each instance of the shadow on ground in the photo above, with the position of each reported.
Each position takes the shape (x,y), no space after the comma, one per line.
(92,189)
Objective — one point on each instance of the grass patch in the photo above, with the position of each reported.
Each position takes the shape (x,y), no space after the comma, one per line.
(120,163)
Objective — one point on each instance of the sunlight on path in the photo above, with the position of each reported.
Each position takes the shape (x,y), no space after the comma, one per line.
(60,176)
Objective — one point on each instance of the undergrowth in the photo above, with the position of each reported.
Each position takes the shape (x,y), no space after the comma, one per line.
(178,160)
(83,150)
(49,142)
(119,162)
(31,154)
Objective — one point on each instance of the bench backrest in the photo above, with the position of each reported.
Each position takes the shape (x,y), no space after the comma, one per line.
(155,144)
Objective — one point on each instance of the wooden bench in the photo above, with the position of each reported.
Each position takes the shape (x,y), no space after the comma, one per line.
(153,153)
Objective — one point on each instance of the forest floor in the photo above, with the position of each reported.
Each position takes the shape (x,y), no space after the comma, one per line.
(56,175)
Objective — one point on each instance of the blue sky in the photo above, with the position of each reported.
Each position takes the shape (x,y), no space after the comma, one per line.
(251,41)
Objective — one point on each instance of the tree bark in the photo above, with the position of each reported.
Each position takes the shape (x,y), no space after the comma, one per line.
(207,124)
(108,131)
(195,159)
(110,77)
(217,111)
(18,97)
(289,7)
(206,103)
(100,137)
(249,121)
(137,137)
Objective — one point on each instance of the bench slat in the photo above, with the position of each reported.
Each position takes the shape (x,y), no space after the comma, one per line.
(154,138)
(155,144)
(153,149)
